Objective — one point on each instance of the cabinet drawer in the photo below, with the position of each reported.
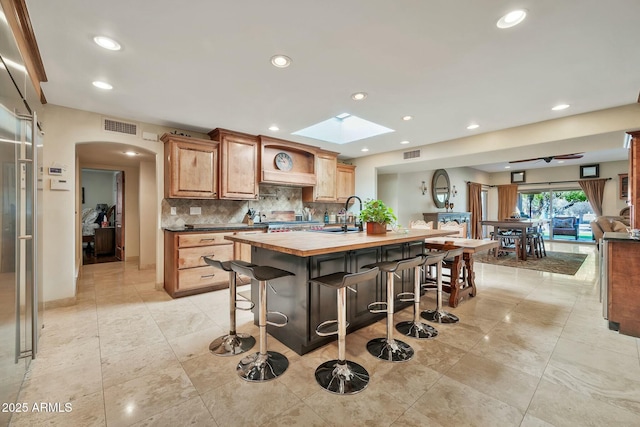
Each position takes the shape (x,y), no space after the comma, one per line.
(192,257)
(199,277)
(202,239)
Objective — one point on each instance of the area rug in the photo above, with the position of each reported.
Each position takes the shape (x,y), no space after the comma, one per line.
(554,262)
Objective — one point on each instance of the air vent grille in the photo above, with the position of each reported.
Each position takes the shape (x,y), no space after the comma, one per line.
(411,154)
(111,125)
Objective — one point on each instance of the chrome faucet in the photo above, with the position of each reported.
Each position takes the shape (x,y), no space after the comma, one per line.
(346,209)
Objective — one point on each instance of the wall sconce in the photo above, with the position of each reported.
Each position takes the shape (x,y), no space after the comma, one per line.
(423,188)
(454,192)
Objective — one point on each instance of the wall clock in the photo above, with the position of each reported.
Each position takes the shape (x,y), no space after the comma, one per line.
(284,162)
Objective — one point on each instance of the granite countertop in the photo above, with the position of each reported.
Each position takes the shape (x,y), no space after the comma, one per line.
(235,226)
(612,235)
(318,243)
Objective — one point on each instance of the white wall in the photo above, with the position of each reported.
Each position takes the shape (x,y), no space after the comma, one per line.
(98,187)
(148,227)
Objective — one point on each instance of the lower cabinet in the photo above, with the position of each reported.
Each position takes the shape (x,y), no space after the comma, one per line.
(185,272)
(105,241)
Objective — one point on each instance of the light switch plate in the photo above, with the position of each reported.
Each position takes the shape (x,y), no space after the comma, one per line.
(195,211)
(173,210)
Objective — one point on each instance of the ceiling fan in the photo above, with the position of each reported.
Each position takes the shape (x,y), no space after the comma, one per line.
(549,158)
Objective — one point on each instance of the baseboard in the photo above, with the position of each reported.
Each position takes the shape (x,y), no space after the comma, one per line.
(56,303)
(147,266)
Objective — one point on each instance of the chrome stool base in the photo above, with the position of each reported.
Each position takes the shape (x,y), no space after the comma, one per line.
(230,345)
(259,367)
(391,350)
(439,316)
(342,377)
(416,330)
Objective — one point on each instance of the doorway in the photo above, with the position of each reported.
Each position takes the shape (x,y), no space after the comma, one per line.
(103,216)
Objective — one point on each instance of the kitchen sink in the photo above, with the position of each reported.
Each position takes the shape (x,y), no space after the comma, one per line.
(337,230)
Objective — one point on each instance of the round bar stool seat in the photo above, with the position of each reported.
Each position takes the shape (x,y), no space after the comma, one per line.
(416,328)
(439,315)
(342,376)
(263,365)
(388,348)
(232,343)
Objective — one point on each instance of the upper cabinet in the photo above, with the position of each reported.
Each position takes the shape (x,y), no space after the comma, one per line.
(287,163)
(325,189)
(345,181)
(238,164)
(190,167)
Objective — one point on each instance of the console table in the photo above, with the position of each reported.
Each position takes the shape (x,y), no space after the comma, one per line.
(442,217)
(105,241)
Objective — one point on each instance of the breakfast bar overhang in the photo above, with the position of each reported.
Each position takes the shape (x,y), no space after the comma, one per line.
(311,254)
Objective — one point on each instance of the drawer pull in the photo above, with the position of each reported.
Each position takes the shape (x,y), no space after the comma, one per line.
(207,276)
(208,240)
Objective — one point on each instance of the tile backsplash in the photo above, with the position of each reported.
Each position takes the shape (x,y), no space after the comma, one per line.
(272,198)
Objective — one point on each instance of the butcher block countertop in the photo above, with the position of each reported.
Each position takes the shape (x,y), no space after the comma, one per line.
(310,243)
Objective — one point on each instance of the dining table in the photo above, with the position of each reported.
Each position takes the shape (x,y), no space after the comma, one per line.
(456,288)
(518,224)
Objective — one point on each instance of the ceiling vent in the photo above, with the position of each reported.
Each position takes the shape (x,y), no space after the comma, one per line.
(411,154)
(117,126)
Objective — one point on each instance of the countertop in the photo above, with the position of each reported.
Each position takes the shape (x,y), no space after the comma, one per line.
(611,235)
(236,226)
(317,243)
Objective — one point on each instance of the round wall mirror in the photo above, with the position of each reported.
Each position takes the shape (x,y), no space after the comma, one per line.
(440,187)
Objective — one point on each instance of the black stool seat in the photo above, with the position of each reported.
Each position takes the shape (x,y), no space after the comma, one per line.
(263,365)
(342,376)
(232,343)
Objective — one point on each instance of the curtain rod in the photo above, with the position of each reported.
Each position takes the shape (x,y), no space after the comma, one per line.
(540,183)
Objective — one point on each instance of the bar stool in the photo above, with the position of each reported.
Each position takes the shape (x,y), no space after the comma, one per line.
(263,365)
(231,343)
(416,328)
(388,348)
(342,376)
(439,315)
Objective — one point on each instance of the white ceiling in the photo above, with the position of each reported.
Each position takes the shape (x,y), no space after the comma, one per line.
(199,65)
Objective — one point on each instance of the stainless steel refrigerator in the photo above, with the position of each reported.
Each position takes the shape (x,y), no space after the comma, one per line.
(21,302)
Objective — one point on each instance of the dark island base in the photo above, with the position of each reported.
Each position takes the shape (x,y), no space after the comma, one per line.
(307,305)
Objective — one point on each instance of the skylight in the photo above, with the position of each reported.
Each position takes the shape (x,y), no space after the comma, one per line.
(342,129)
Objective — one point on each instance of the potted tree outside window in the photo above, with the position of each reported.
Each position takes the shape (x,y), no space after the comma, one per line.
(377,215)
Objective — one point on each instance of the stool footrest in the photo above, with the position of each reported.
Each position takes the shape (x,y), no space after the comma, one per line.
(244,304)
(277,324)
(406,296)
(377,307)
(328,328)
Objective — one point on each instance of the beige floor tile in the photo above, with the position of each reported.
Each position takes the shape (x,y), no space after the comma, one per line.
(196,343)
(450,402)
(208,371)
(87,410)
(531,421)
(518,355)
(413,418)
(145,396)
(561,406)
(260,402)
(298,415)
(191,412)
(509,385)
(600,336)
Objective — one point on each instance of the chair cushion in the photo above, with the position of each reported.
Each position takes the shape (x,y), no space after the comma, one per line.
(619,227)
(604,223)
(563,222)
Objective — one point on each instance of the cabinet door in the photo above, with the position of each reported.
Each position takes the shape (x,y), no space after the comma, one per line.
(345,181)
(238,167)
(193,170)
(325,190)
(323,299)
(367,292)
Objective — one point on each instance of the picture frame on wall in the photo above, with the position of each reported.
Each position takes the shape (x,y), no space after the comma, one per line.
(589,171)
(517,177)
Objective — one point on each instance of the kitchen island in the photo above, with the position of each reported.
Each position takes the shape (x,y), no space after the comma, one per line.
(310,254)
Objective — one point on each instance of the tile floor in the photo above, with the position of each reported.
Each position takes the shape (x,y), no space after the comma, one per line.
(532,349)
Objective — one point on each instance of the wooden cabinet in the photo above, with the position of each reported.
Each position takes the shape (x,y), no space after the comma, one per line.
(191,167)
(634,179)
(238,164)
(105,241)
(242,251)
(185,271)
(622,283)
(345,181)
(325,189)
(299,169)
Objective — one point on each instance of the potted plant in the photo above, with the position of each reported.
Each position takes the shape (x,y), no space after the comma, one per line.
(377,215)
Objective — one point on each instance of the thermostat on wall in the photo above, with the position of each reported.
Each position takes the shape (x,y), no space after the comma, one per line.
(55,171)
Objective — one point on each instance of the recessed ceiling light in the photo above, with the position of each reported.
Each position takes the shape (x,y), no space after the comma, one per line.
(365,149)
(107,43)
(560,107)
(274,128)
(102,85)
(404,142)
(473,126)
(130,153)
(512,19)
(280,61)
(560,161)
(358,96)
(407,118)
(507,167)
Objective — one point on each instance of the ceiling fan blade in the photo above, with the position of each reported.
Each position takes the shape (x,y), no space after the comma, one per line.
(569,156)
(527,160)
